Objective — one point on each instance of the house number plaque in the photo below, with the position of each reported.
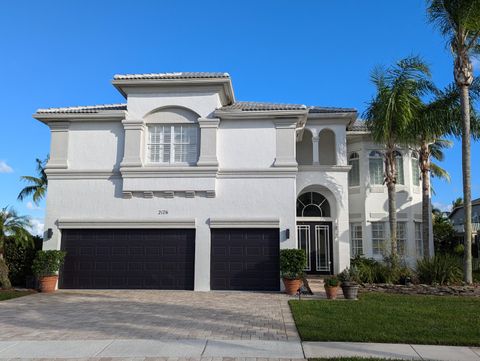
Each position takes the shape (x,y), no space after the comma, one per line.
(163,212)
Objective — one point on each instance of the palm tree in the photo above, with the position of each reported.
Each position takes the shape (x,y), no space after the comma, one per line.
(459,21)
(457,202)
(14,226)
(428,150)
(38,185)
(388,116)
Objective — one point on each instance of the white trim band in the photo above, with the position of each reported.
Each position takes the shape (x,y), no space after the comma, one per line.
(125,224)
(244,223)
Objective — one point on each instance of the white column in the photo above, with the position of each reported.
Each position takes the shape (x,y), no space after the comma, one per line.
(285,142)
(58,145)
(133,149)
(208,141)
(202,256)
(315,156)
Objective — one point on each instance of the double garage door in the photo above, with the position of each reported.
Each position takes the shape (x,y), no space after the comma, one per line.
(241,259)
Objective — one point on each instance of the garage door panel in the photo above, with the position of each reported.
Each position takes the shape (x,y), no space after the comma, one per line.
(159,259)
(245,259)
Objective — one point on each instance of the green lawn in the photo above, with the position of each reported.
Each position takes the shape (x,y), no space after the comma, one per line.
(391,318)
(6,295)
(351,359)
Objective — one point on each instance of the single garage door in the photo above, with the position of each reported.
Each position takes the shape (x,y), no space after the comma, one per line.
(245,259)
(128,259)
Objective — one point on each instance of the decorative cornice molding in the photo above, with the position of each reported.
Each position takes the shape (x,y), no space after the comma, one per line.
(179,223)
(274,172)
(208,122)
(324,168)
(169,172)
(58,173)
(106,116)
(244,223)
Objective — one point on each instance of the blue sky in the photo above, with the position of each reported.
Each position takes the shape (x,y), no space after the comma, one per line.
(62,53)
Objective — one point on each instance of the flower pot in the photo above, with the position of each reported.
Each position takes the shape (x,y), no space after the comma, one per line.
(331,292)
(292,286)
(48,283)
(350,290)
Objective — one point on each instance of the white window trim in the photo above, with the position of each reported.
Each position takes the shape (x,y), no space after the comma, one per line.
(171,163)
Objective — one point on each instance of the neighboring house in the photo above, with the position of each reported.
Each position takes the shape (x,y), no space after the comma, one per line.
(183,187)
(457,217)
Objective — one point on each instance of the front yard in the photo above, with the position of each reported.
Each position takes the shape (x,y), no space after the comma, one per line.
(391,318)
(9,294)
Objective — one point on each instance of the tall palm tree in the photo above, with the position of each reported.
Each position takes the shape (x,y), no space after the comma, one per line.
(459,22)
(388,115)
(14,226)
(428,150)
(38,185)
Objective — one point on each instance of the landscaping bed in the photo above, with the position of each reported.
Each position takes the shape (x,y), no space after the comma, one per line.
(422,289)
(392,318)
(9,294)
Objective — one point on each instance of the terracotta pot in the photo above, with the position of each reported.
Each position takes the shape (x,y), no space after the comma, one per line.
(292,286)
(331,292)
(48,283)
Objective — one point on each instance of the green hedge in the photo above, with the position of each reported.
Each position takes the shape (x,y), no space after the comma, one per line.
(19,260)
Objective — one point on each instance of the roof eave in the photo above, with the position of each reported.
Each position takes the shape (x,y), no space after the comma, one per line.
(120,84)
(112,115)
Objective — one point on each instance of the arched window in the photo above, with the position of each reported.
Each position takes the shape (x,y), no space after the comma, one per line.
(354,173)
(375,165)
(415,169)
(399,166)
(312,204)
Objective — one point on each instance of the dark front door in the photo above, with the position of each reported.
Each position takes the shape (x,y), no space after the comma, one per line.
(316,239)
(245,259)
(128,259)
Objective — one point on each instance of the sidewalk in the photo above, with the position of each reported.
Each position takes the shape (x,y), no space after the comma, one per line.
(218,350)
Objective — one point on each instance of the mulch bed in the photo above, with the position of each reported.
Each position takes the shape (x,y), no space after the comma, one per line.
(421,289)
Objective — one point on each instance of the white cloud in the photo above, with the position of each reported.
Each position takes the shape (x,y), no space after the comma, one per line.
(443,207)
(5,168)
(32,206)
(37,227)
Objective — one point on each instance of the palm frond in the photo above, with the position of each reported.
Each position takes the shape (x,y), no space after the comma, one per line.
(439,172)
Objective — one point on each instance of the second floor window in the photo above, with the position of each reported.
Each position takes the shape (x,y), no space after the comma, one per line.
(173,144)
(375,164)
(415,169)
(354,174)
(399,166)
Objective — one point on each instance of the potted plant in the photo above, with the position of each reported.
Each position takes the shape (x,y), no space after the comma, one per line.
(331,287)
(46,266)
(349,278)
(292,266)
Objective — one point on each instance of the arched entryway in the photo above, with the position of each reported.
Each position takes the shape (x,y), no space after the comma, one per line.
(314,231)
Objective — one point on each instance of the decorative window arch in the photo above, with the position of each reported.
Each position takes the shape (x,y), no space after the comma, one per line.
(313,204)
(354,173)
(415,169)
(375,165)
(399,166)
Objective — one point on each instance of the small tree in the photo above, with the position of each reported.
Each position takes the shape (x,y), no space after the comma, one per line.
(14,226)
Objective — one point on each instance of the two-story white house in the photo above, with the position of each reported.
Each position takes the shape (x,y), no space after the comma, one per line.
(183,187)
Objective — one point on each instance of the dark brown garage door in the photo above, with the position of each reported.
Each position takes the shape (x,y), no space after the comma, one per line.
(245,259)
(128,259)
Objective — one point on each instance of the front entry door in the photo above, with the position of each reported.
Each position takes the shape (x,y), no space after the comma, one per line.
(316,239)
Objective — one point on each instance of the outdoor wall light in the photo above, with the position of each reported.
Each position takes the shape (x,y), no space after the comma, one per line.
(49,233)
(287,233)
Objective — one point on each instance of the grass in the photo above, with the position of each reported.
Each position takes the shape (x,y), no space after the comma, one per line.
(351,359)
(391,318)
(9,294)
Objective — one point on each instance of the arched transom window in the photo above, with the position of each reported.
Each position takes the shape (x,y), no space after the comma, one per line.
(312,204)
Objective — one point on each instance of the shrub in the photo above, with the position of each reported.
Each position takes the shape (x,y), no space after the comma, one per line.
(349,275)
(292,263)
(47,263)
(332,281)
(372,271)
(441,269)
(19,259)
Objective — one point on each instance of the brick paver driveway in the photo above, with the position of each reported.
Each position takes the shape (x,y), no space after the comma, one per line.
(82,315)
